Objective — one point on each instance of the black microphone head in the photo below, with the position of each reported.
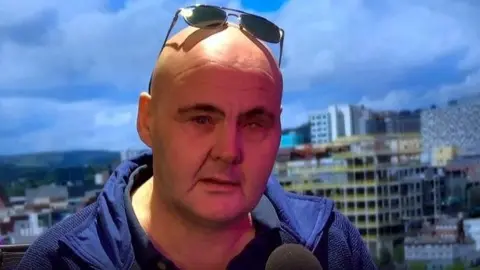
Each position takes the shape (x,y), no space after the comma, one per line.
(292,257)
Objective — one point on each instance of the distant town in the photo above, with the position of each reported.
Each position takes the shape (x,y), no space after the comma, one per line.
(408,180)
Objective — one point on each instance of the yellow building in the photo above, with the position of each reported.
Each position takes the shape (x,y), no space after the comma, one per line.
(372,179)
(442,155)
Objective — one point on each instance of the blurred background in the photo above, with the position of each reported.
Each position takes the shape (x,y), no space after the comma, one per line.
(381,113)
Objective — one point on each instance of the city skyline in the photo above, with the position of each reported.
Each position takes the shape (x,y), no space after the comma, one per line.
(72,72)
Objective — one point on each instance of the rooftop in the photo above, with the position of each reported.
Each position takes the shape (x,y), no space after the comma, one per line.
(436,240)
(47,191)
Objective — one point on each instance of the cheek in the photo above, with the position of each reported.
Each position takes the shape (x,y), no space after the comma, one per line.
(186,154)
(177,168)
(258,163)
(177,158)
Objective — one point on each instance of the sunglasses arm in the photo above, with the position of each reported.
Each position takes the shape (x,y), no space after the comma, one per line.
(174,21)
(282,36)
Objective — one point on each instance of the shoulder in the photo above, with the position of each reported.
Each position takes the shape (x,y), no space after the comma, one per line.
(345,244)
(46,250)
(342,227)
(337,224)
(340,245)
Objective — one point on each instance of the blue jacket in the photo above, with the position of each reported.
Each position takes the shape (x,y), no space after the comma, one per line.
(98,237)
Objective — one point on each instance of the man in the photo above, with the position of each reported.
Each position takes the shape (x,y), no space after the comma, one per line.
(203,199)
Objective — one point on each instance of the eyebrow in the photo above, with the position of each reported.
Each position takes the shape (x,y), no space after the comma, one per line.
(209,108)
(200,107)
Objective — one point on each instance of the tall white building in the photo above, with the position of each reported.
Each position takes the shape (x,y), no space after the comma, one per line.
(320,127)
(337,121)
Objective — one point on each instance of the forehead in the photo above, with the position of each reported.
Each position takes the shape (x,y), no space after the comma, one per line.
(225,86)
(226,67)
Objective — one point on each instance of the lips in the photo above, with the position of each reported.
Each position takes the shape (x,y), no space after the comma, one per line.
(220,181)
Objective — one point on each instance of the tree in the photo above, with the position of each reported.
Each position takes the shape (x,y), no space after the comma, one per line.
(385,260)
(457,265)
(474,197)
(399,254)
(417,266)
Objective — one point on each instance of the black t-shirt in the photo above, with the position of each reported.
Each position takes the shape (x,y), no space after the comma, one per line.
(254,256)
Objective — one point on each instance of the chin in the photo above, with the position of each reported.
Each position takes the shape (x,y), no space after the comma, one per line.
(221,214)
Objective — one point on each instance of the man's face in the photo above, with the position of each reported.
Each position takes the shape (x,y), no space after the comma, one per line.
(216,122)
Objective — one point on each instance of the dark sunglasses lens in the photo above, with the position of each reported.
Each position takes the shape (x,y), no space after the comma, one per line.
(261,28)
(206,16)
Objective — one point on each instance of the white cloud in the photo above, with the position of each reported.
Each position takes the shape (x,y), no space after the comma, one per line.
(294,114)
(87,44)
(403,99)
(94,124)
(395,100)
(469,87)
(357,39)
(82,43)
(77,125)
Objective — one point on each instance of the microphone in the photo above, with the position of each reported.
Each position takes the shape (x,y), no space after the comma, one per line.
(292,257)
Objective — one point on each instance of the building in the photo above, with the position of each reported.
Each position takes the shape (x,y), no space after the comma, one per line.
(390,122)
(90,197)
(473,199)
(434,193)
(338,121)
(372,124)
(441,245)
(23,227)
(101,177)
(46,197)
(472,230)
(320,127)
(27,217)
(26,227)
(4,200)
(290,139)
(463,180)
(366,176)
(295,136)
(456,126)
(467,167)
(403,122)
(346,120)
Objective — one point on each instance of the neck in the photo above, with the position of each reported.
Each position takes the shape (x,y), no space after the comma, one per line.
(188,244)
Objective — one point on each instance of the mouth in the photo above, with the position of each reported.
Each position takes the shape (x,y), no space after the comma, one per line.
(219,181)
(214,185)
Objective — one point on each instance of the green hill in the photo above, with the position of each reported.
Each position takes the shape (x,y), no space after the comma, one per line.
(18,172)
(66,159)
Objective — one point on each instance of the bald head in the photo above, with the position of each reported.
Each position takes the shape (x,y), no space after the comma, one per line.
(229,47)
(214,111)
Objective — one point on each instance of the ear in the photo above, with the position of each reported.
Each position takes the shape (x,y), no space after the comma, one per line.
(144,118)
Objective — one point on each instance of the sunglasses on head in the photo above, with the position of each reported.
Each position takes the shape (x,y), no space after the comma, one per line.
(207,16)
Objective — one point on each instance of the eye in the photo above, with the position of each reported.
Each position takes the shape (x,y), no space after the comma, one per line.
(202,120)
(254,125)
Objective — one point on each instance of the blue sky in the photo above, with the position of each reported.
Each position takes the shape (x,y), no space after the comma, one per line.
(71,71)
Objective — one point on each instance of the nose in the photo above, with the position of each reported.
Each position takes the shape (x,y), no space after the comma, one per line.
(228,145)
